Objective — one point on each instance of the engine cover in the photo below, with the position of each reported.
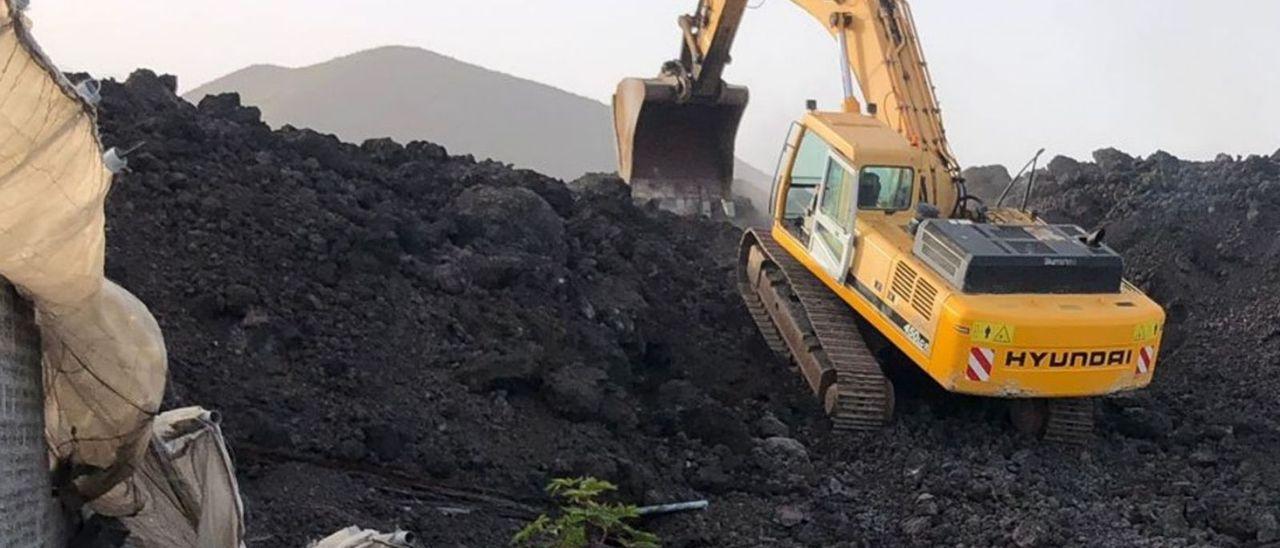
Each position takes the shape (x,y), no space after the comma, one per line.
(990,258)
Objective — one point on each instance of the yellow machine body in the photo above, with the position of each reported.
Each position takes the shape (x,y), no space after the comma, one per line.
(875,242)
(1037,345)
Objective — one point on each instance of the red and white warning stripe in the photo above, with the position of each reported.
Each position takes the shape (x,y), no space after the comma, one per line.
(981,362)
(1145,356)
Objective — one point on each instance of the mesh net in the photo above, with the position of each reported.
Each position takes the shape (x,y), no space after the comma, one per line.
(168,477)
(104,357)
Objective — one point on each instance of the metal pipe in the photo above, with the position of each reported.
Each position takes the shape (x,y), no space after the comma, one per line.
(672,508)
(846,71)
(690,40)
(1014,181)
(1031,181)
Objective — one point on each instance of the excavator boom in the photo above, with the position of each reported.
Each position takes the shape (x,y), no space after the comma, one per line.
(676,132)
(884,54)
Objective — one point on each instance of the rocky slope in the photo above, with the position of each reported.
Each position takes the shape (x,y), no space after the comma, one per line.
(400,337)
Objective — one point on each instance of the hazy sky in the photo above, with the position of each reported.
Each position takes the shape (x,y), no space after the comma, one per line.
(1193,77)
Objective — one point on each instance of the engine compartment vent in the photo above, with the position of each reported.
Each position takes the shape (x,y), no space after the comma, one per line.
(908,287)
(923,298)
(941,257)
(904,282)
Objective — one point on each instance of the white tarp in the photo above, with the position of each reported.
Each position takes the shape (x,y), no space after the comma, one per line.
(105,364)
(355,537)
(168,476)
(184,492)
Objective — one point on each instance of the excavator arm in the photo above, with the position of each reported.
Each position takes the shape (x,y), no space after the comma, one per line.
(676,132)
(708,35)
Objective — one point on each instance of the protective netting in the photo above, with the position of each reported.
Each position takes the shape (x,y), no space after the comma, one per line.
(168,477)
(104,357)
(52,179)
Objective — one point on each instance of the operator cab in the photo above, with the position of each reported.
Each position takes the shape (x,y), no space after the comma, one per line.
(844,177)
(838,168)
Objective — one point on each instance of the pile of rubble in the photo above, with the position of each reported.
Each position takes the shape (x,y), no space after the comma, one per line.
(398,337)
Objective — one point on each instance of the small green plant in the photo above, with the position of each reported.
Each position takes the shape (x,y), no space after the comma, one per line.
(584,521)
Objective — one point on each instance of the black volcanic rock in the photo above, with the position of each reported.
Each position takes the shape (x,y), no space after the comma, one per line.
(399,337)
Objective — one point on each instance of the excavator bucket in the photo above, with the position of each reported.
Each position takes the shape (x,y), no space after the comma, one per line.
(675,150)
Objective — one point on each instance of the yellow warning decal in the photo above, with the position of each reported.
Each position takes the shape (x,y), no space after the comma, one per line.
(991,332)
(1146,331)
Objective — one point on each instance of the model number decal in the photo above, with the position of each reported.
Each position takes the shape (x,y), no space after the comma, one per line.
(915,336)
(912,333)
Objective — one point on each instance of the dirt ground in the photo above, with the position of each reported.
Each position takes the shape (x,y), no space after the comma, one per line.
(398,337)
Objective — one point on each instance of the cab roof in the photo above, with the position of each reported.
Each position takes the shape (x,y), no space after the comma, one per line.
(863,139)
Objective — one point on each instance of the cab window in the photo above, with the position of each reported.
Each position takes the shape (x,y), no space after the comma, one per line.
(837,199)
(806,174)
(885,188)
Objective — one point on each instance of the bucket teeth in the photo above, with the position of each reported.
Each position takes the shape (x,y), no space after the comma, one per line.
(861,397)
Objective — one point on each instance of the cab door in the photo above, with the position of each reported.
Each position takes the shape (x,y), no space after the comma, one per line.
(831,245)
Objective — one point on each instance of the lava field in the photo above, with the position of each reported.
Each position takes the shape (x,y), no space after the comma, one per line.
(398,337)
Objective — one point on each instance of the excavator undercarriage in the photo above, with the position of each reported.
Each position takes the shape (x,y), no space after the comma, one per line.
(803,321)
(799,317)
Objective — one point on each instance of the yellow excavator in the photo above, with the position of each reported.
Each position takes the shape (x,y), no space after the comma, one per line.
(874,244)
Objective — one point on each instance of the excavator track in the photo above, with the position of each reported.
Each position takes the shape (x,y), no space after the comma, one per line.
(800,317)
(1070,421)
(1064,421)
